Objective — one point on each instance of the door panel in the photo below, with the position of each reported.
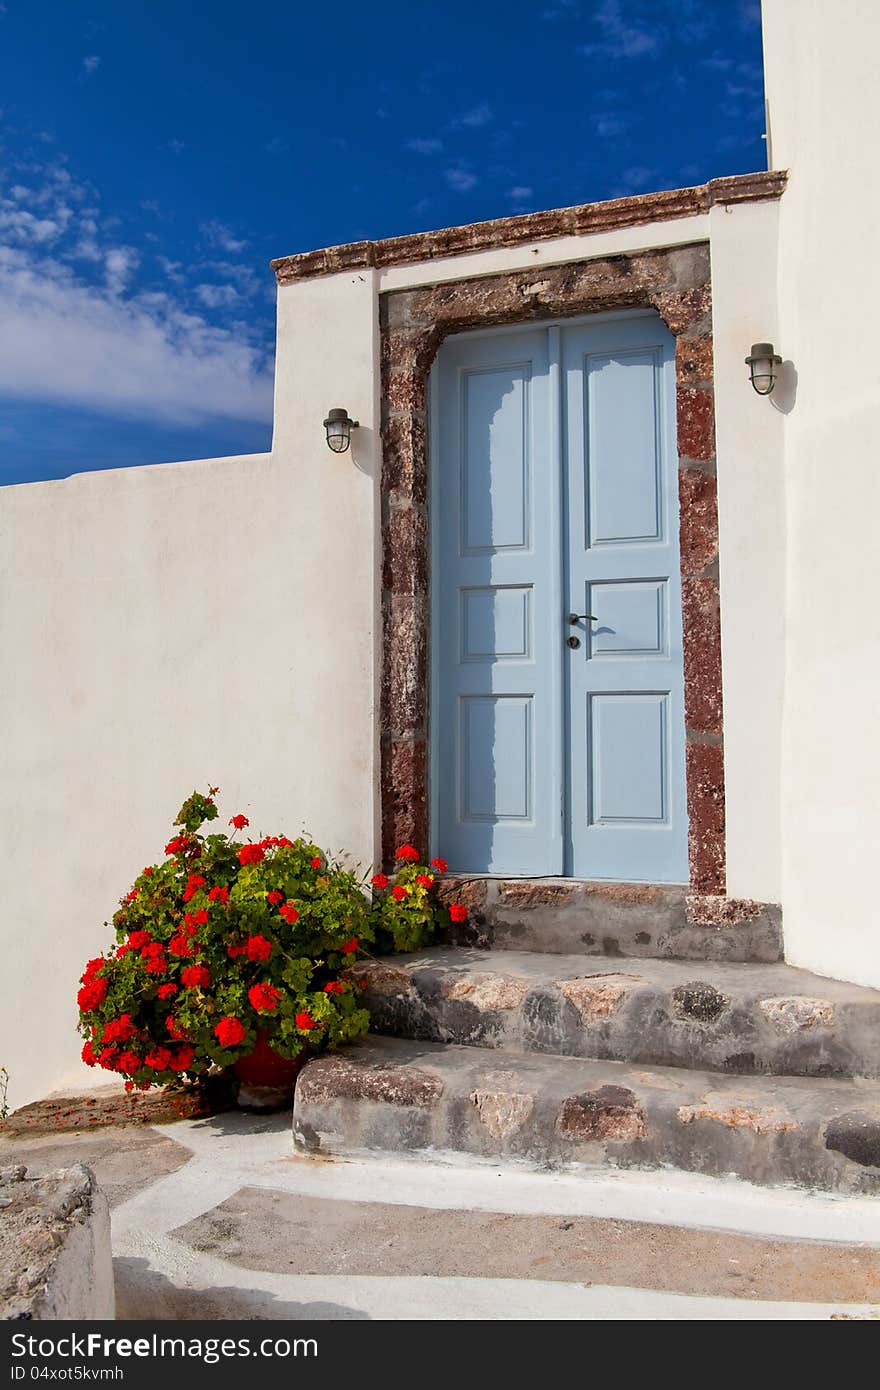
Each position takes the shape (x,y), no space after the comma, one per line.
(554,491)
(496,714)
(626,802)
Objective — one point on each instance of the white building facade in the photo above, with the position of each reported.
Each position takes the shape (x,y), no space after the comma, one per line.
(270,623)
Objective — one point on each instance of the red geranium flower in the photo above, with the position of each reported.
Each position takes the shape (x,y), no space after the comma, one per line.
(175,1029)
(156,965)
(407,853)
(200,918)
(194,883)
(258,948)
(92,968)
(349,946)
(316,862)
(194,976)
(399,892)
(128,1062)
(139,939)
(148,870)
(235,948)
(458,912)
(239,821)
(283,843)
(289,913)
(334,987)
(276,896)
(130,896)
(175,846)
(106,1058)
(264,998)
(167,991)
(440,865)
(88,1055)
(179,945)
(92,994)
(158,1059)
(305,1021)
(122,950)
(183,1057)
(152,949)
(379,880)
(119,1029)
(424,880)
(251,854)
(230,1031)
(219,895)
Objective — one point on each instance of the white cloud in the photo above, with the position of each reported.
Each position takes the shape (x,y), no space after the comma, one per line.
(91,64)
(64,341)
(460,180)
(475,116)
(120,264)
(217,296)
(101,343)
(218,234)
(429,146)
(624,35)
(607,124)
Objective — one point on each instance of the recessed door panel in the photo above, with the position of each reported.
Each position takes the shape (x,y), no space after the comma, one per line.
(496,623)
(624,494)
(629,759)
(495,458)
(495,745)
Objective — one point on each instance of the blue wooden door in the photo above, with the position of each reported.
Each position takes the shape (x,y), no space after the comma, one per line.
(554,493)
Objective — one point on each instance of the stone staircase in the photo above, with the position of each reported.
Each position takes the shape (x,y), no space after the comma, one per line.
(552,1058)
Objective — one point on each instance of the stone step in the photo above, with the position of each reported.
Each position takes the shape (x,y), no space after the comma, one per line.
(612,919)
(730,1018)
(391,1095)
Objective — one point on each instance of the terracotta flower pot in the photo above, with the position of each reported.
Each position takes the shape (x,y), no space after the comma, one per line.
(266,1078)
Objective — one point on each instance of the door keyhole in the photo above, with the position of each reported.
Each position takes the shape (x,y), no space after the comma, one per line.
(573,642)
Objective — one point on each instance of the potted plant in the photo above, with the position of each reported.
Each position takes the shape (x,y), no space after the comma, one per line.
(231,957)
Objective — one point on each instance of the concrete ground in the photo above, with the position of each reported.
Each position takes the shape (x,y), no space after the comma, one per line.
(218,1218)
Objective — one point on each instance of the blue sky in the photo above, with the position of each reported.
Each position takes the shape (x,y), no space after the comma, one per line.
(155,155)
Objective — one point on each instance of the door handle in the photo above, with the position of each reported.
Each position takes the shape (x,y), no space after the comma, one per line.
(575,618)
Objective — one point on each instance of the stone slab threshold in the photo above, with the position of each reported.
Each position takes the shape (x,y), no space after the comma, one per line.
(575,916)
(733,1018)
(391,1095)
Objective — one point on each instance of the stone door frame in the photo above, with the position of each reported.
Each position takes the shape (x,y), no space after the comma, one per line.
(676,282)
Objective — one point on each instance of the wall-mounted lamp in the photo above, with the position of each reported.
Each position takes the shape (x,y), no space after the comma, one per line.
(763,364)
(339,427)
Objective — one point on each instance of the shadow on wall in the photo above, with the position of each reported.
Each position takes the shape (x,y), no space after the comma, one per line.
(785,393)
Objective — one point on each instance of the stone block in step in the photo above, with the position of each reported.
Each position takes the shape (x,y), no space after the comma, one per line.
(394,1096)
(765,1019)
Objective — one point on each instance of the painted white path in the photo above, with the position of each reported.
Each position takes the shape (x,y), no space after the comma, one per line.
(243,1152)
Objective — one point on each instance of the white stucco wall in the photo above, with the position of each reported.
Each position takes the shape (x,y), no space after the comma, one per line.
(751,531)
(821,62)
(167,627)
(217,621)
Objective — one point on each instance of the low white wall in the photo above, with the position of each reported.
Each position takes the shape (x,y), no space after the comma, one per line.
(825,127)
(167,627)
